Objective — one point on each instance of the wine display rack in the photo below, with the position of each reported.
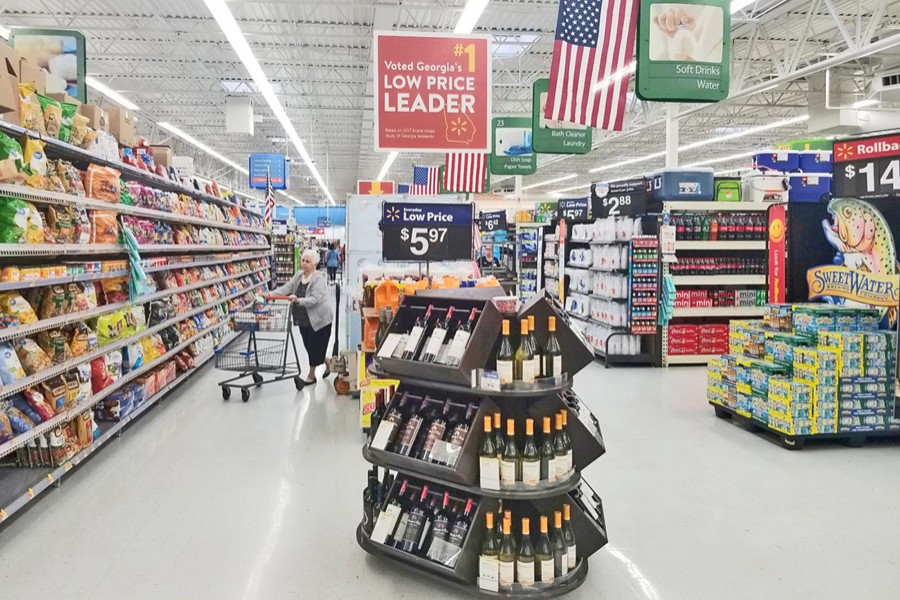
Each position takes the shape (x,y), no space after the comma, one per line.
(548,396)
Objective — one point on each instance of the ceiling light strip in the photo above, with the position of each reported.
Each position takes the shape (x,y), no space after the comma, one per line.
(549,181)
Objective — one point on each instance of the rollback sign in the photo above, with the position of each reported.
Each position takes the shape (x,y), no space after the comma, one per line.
(432,92)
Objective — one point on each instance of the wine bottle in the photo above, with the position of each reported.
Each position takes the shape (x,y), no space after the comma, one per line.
(509,462)
(382,326)
(567,440)
(430,514)
(548,456)
(507,557)
(411,429)
(438,337)
(523,368)
(415,337)
(525,556)
(560,450)
(488,463)
(569,536)
(543,555)
(536,360)
(553,352)
(507,516)
(560,551)
(395,538)
(499,441)
(459,431)
(397,415)
(505,357)
(488,565)
(458,533)
(440,531)
(531,459)
(461,340)
(436,430)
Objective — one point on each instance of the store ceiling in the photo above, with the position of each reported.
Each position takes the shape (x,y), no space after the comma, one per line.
(171,59)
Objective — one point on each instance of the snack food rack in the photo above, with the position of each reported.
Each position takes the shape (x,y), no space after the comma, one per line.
(461,480)
(201,278)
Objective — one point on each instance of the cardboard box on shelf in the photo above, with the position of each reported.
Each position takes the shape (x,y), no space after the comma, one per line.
(121,125)
(162,155)
(65,98)
(99,118)
(31,73)
(9,83)
(184,166)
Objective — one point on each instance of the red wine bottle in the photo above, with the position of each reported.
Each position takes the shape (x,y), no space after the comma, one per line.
(416,336)
(440,530)
(461,340)
(438,336)
(436,430)
(411,429)
(459,532)
(415,523)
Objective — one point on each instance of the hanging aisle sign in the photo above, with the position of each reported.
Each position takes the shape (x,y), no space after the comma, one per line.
(513,153)
(867,168)
(555,137)
(684,50)
(432,92)
(620,198)
(273,164)
(492,221)
(420,232)
(574,209)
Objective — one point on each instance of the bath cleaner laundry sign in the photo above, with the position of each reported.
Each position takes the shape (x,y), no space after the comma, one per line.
(432,92)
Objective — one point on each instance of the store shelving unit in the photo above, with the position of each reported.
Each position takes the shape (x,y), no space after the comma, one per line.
(716,248)
(462,480)
(20,485)
(553,263)
(529,254)
(503,257)
(285,258)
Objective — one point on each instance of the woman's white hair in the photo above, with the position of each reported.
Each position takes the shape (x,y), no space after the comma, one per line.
(312,254)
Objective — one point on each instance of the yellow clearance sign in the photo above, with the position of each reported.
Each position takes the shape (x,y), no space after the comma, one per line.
(860,286)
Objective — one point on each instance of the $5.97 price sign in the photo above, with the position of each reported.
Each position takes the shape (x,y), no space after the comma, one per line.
(867,168)
(620,198)
(419,232)
(574,209)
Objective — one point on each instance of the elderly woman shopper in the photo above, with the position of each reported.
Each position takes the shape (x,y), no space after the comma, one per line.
(311,311)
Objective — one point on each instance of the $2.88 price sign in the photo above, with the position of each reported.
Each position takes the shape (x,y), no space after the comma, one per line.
(620,198)
(419,232)
(867,168)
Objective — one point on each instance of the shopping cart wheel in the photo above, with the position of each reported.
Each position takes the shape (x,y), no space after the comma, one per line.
(341,386)
(226,393)
(299,383)
(257,379)
(245,395)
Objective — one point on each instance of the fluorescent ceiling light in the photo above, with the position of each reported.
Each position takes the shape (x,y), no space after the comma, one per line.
(471,14)
(286,195)
(713,161)
(629,68)
(630,161)
(745,132)
(549,181)
(192,140)
(232,30)
(110,93)
(387,166)
(865,103)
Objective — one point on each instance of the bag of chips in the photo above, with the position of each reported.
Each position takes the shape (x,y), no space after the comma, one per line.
(52,111)
(82,225)
(102,183)
(104,227)
(70,177)
(10,148)
(19,420)
(10,368)
(109,327)
(54,391)
(115,290)
(68,119)
(31,356)
(83,371)
(133,357)
(36,165)
(53,302)
(30,114)
(38,403)
(90,294)
(79,129)
(20,222)
(75,299)
(150,351)
(19,402)
(16,309)
(72,389)
(53,342)
(6,430)
(58,227)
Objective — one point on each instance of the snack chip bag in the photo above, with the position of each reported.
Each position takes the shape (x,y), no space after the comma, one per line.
(70,177)
(115,290)
(10,368)
(19,402)
(36,164)
(38,403)
(53,302)
(102,183)
(19,420)
(52,111)
(54,391)
(31,356)
(72,389)
(75,298)
(104,227)
(90,293)
(58,227)
(10,148)
(6,430)
(17,309)
(79,129)
(68,119)
(20,222)
(82,225)
(110,327)
(150,351)
(30,114)
(53,342)
(78,338)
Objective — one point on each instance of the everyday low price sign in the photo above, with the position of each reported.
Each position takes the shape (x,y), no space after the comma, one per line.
(419,232)
(683,50)
(432,92)
(620,198)
(574,209)
(867,168)
(489,222)
(555,137)
(513,152)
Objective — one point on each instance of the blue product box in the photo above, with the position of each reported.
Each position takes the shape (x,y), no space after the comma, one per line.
(682,184)
(809,187)
(779,160)
(815,161)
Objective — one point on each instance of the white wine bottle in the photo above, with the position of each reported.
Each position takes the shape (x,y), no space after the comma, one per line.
(543,555)
(536,360)
(531,459)
(507,557)
(553,352)
(560,551)
(505,357)
(509,462)
(569,536)
(548,456)
(525,556)
(523,367)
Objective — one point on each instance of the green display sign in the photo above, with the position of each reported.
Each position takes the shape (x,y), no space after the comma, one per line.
(555,137)
(60,51)
(513,153)
(684,50)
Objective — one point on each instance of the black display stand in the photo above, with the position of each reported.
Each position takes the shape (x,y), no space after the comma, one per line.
(462,480)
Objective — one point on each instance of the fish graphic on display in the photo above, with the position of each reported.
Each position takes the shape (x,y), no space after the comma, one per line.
(864,243)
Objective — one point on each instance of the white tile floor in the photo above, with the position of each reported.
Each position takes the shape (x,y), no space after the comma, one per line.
(204,499)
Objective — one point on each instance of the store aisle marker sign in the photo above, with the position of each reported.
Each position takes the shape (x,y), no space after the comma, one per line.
(867,168)
(555,137)
(684,50)
(513,153)
(274,165)
(420,232)
(432,92)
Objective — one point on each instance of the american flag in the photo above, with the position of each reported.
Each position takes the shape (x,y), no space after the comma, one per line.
(465,172)
(426,181)
(270,202)
(592,53)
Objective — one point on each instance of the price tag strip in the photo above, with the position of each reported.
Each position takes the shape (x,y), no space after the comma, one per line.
(419,232)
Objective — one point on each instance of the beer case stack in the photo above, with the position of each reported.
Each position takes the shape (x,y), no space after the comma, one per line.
(519,401)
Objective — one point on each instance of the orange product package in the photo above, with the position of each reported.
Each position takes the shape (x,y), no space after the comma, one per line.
(104,227)
(102,183)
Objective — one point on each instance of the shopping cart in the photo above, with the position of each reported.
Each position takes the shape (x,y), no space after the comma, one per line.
(261,353)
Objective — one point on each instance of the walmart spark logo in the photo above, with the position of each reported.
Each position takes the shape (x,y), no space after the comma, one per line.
(393,214)
(844,151)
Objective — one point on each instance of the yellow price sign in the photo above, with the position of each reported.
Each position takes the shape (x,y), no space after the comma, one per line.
(30,493)
(50,477)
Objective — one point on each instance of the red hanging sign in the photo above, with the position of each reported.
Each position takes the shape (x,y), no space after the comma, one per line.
(777,253)
(432,92)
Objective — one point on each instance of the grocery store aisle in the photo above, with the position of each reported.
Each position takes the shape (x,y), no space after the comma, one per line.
(211,499)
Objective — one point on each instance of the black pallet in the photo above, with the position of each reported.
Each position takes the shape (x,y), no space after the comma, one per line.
(797,442)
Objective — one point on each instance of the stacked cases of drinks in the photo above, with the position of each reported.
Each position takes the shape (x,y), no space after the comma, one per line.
(720,226)
(437,336)
(425,520)
(506,460)
(738,265)
(540,556)
(422,427)
(524,360)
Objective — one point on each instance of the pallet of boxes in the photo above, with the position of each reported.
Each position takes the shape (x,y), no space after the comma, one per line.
(809,371)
